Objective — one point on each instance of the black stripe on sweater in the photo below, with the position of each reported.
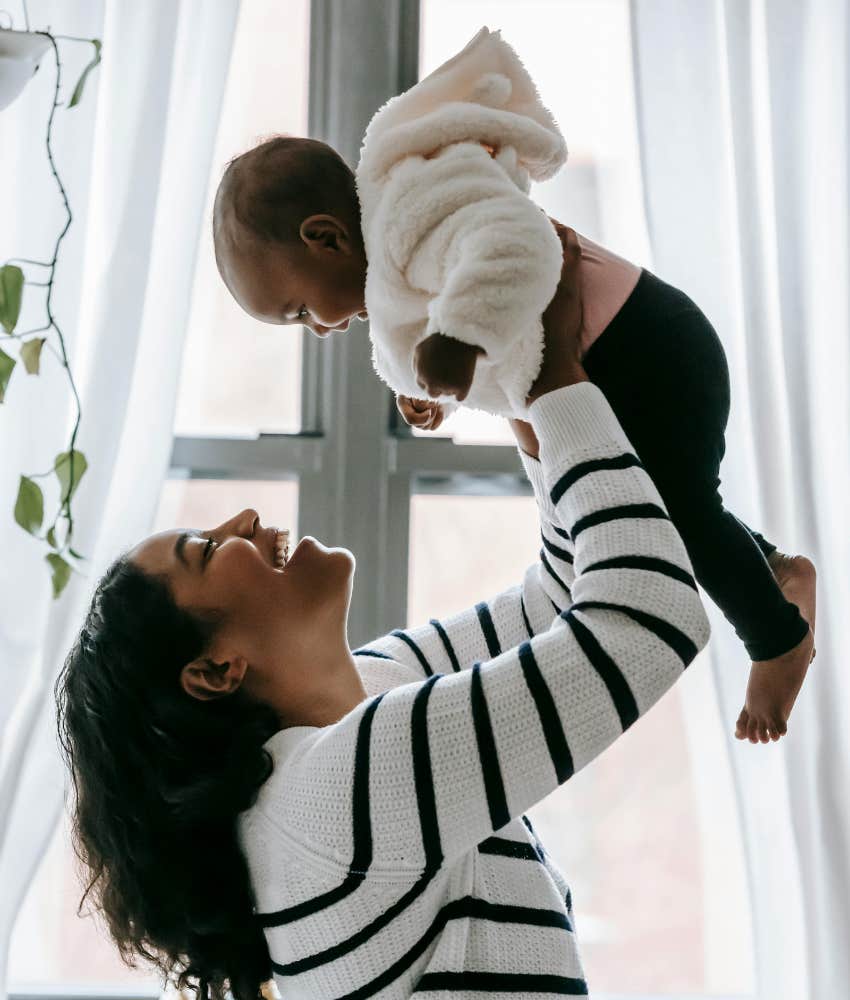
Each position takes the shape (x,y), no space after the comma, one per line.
(457,909)
(624,461)
(556,550)
(493,783)
(308,907)
(525,618)
(426,666)
(485,619)
(362,832)
(423,775)
(447,644)
(645,562)
(370,652)
(538,842)
(610,673)
(361,936)
(626,510)
(556,741)
(522,983)
(548,567)
(675,638)
(509,849)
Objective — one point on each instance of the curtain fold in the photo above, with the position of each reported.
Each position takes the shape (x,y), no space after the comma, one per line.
(743,113)
(135,156)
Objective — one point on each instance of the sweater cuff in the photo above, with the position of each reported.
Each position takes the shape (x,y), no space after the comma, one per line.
(574,421)
(534,471)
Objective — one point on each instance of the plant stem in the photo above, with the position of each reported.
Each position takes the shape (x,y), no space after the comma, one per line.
(68,38)
(51,320)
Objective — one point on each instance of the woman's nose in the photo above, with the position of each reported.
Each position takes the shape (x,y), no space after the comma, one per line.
(240,524)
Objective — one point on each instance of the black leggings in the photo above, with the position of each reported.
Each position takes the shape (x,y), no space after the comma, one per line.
(662,368)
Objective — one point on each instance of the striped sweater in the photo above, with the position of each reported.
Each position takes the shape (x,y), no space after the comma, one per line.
(389,852)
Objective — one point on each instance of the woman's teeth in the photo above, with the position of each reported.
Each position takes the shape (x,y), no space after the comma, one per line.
(281,548)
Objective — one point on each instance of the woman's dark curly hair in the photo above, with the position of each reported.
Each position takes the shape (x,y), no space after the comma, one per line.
(159,778)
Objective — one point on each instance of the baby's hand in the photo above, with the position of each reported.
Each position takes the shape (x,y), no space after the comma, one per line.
(423,413)
(445,366)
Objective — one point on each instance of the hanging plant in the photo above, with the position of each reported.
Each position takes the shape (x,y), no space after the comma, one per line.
(20,53)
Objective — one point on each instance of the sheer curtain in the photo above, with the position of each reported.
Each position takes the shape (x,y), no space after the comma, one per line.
(135,156)
(743,115)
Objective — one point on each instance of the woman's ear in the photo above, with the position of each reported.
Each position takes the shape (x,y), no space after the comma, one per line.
(206,680)
(325,232)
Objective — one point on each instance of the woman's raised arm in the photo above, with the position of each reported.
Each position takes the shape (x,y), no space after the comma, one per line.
(420,774)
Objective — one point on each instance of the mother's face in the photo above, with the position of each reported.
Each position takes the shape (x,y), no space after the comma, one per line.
(270,615)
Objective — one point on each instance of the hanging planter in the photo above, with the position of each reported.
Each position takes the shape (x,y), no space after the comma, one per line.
(20,53)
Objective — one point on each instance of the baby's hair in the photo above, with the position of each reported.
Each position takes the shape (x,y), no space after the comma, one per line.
(270,189)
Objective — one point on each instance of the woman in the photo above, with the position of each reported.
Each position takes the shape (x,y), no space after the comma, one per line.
(256,798)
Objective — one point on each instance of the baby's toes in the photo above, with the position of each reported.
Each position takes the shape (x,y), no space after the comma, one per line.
(778,729)
(753,729)
(741,725)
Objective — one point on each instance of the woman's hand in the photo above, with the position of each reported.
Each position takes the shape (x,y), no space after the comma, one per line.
(562,325)
(427,414)
(525,437)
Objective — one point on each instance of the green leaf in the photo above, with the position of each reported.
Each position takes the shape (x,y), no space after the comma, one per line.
(62,466)
(51,537)
(78,90)
(61,572)
(11,292)
(6,366)
(29,507)
(31,354)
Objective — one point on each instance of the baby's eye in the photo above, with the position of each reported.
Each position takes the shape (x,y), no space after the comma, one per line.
(302,312)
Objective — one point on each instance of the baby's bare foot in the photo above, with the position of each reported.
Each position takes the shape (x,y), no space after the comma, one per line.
(774,684)
(797,579)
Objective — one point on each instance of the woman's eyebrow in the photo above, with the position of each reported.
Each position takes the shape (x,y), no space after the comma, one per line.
(180,544)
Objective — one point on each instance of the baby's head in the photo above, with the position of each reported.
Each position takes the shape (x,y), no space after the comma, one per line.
(286,228)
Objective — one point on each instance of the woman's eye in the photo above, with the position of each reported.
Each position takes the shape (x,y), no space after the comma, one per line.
(208,548)
(302,312)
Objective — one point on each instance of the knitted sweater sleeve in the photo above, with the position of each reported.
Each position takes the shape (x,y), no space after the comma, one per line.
(415,777)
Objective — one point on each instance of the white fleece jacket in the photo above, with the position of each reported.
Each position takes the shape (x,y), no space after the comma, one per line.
(454,244)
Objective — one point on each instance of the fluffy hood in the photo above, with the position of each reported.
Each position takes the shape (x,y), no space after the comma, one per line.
(483,94)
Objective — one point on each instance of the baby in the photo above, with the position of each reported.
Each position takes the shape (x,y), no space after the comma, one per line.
(436,240)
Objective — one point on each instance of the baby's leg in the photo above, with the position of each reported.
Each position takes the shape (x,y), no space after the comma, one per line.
(663,369)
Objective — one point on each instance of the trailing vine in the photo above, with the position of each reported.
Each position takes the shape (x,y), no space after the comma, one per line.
(68,466)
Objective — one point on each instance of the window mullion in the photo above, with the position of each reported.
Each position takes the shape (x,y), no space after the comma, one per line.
(362,53)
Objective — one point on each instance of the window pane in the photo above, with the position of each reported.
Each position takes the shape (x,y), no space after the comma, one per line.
(647,835)
(204,503)
(239,375)
(579,54)
(51,945)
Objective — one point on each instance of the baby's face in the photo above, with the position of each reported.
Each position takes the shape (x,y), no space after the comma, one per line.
(310,284)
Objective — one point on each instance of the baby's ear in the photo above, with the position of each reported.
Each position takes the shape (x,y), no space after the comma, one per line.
(325,232)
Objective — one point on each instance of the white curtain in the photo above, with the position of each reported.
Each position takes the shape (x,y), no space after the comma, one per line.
(743,109)
(135,157)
